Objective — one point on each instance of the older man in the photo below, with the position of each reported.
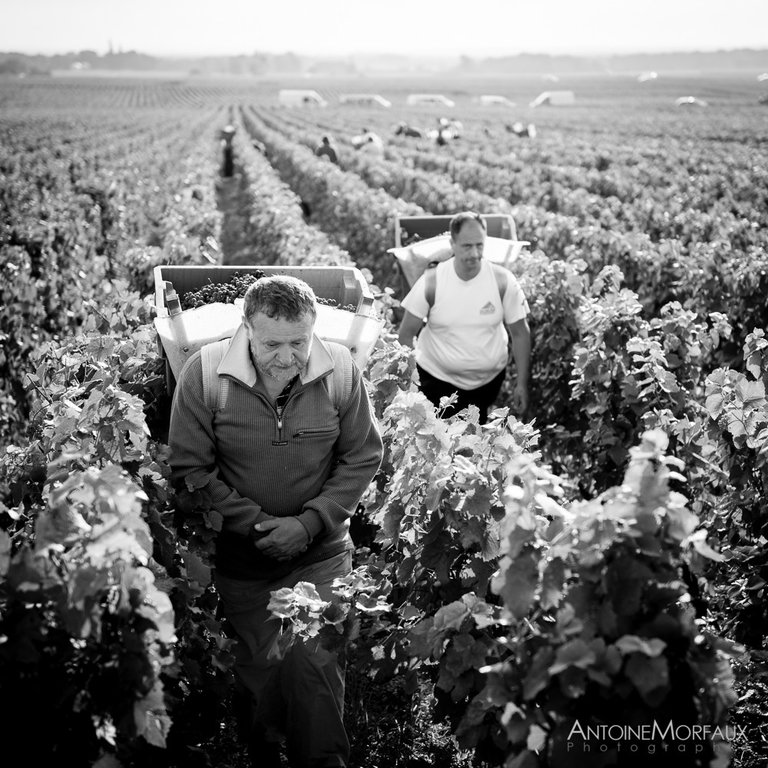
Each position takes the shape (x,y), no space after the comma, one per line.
(285,449)
(464,311)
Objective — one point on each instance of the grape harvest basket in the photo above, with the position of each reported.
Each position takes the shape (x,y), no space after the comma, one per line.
(345,308)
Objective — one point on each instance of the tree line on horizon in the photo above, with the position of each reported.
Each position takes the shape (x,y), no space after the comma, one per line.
(289,63)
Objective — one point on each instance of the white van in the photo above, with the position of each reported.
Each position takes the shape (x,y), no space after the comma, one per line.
(433,99)
(553,98)
(493,100)
(298,97)
(364,100)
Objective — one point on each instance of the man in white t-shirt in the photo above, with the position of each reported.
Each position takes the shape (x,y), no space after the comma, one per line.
(464,315)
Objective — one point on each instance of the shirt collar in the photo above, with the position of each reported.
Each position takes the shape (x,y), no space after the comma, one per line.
(237,360)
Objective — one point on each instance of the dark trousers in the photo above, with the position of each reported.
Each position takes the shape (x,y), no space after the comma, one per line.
(483,397)
(298,699)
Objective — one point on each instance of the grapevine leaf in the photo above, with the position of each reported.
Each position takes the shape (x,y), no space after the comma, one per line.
(451,616)
(538,675)
(150,717)
(517,582)
(633,644)
(575,653)
(573,682)
(282,603)
(736,425)
(307,594)
(334,614)
(667,381)
(698,540)
(750,391)
(537,738)
(752,364)
(5,552)
(405,570)
(465,653)
(552,583)
(372,604)
(197,570)
(650,677)
(421,639)
(714,405)
(681,523)
(483,614)
(625,581)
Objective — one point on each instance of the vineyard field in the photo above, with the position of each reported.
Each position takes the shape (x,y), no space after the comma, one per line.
(600,560)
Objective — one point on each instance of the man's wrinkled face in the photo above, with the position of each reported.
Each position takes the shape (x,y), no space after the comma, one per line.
(279,347)
(468,249)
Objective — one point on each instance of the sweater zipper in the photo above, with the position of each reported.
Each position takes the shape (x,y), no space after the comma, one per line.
(279,418)
(278,421)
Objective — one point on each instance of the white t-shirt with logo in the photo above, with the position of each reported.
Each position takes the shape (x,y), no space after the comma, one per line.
(464,341)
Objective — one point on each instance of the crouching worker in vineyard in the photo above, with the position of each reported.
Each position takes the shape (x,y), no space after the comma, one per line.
(464,311)
(285,442)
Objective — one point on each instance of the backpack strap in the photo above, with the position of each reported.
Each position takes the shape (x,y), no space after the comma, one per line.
(430,279)
(340,380)
(215,387)
(500,273)
(430,283)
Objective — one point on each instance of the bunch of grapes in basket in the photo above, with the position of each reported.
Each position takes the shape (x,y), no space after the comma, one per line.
(226,293)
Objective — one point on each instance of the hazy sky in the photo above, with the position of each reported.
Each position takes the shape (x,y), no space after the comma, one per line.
(416,27)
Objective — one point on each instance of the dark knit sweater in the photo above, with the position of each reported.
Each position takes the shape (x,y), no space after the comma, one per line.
(311,462)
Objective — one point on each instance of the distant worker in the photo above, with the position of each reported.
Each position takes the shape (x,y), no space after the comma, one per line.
(464,311)
(326,149)
(447,130)
(523,131)
(403,129)
(228,162)
(443,132)
(368,141)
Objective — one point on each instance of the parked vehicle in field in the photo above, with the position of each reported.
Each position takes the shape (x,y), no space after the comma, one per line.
(300,97)
(364,100)
(690,101)
(554,98)
(432,99)
(494,100)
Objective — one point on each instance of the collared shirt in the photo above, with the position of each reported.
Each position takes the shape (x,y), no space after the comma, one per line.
(282,398)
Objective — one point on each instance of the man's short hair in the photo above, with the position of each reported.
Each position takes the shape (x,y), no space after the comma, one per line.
(460,219)
(280,296)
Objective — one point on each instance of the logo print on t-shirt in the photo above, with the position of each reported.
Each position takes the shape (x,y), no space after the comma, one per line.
(488,309)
